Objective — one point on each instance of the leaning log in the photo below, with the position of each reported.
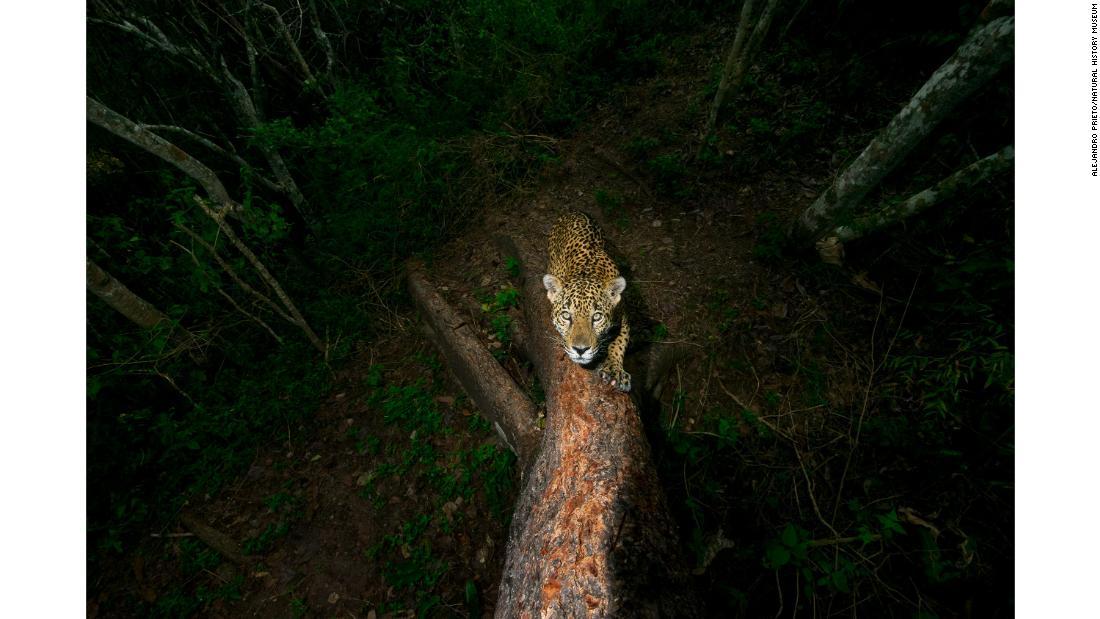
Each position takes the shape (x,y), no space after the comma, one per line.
(591,535)
(988,50)
(496,395)
(960,182)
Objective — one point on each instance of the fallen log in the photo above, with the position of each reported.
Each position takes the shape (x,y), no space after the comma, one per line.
(494,392)
(591,534)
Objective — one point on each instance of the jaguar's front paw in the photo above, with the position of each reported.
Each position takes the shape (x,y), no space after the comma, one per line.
(616,377)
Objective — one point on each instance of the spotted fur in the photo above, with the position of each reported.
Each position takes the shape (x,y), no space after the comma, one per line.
(585,290)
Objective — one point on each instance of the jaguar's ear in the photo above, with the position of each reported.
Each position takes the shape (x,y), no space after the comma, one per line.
(553,286)
(615,289)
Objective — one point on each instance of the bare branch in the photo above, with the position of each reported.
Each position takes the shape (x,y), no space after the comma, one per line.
(232,273)
(740,57)
(152,36)
(266,182)
(295,53)
(961,181)
(227,296)
(261,269)
(246,110)
(988,50)
(318,31)
(256,319)
(138,135)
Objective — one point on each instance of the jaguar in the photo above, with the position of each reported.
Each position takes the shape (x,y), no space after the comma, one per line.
(585,291)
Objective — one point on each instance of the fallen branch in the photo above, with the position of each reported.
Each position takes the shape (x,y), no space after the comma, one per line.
(218,541)
(484,380)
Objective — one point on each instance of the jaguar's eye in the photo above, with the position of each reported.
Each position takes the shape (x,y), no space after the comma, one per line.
(597,317)
(566,316)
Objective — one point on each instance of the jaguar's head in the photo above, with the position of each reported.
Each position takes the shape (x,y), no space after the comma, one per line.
(581,310)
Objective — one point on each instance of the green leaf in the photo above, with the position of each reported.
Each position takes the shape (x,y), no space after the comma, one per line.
(777,556)
(840,581)
(865,535)
(790,536)
(890,523)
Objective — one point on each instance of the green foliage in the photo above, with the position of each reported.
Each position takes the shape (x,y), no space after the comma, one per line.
(262,542)
(669,173)
(611,204)
(408,561)
(386,181)
(512,266)
(496,307)
(771,238)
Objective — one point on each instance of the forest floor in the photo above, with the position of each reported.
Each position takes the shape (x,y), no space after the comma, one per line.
(399,501)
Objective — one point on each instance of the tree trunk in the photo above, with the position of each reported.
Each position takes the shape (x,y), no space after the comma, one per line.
(740,57)
(987,51)
(112,292)
(140,312)
(488,385)
(591,534)
(959,182)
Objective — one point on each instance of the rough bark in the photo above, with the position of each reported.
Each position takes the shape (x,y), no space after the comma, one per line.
(960,182)
(591,534)
(988,49)
(740,56)
(494,392)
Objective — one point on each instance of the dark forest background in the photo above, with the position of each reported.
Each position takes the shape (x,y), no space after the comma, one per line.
(352,136)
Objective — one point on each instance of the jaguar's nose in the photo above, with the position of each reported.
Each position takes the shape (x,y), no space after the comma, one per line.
(580,350)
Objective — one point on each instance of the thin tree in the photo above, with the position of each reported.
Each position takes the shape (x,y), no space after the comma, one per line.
(740,56)
(988,50)
(946,189)
(141,136)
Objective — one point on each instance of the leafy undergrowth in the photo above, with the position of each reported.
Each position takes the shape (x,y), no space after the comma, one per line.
(397,501)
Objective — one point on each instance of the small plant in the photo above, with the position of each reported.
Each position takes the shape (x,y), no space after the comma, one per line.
(298,608)
(500,322)
(512,266)
(669,172)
